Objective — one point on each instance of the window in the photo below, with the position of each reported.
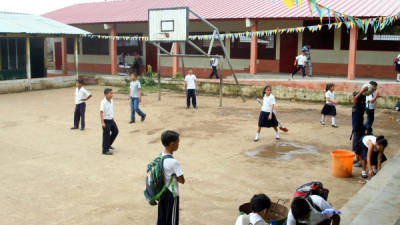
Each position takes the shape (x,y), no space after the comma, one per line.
(13,61)
(70,46)
(240,47)
(129,46)
(322,39)
(95,46)
(386,40)
(204,45)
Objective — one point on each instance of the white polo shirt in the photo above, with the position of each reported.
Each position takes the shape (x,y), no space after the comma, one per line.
(301,60)
(214,62)
(368,99)
(189,79)
(315,216)
(172,167)
(330,95)
(107,107)
(268,101)
(254,218)
(81,93)
(398,59)
(135,86)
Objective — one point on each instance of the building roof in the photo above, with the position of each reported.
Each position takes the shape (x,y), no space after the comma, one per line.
(19,23)
(136,10)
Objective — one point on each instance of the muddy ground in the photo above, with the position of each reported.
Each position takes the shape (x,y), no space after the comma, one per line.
(52,175)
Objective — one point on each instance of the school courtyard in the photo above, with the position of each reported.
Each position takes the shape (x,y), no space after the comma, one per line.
(52,175)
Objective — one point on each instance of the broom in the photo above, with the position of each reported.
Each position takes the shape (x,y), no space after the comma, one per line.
(281,126)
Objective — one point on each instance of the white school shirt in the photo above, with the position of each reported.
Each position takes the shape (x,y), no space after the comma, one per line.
(398,59)
(171,167)
(330,95)
(253,218)
(107,107)
(80,94)
(315,216)
(214,62)
(268,101)
(189,79)
(369,138)
(134,86)
(368,99)
(301,60)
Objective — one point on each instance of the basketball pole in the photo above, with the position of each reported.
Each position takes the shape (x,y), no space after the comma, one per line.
(159,74)
(221,68)
(182,62)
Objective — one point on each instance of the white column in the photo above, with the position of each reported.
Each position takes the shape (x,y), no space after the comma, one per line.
(278,46)
(76,59)
(28,62)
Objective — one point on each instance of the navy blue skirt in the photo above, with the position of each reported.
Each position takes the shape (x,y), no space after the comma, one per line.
(264,122)
(397,67)
(363,152)
(329,110)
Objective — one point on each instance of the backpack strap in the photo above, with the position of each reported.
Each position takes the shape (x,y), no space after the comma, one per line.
(310,201)
(170,183)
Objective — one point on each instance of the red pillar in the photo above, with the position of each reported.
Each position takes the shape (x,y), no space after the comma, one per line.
(64,56)
(351,69)
(113,50)
(175,60)
(253,49)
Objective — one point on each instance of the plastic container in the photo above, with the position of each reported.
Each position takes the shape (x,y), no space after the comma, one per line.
(342,163)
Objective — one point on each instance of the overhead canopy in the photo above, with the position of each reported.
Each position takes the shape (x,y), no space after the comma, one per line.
(136,10)
(17,23)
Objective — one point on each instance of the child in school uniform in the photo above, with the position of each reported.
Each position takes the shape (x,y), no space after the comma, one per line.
(81,96)
(370,106)
(371,150)
(329,107)
(267,115)
(300,64)
(357,119)
(168,206)
(135,98)
(190,86)
(110,129)
(260,205)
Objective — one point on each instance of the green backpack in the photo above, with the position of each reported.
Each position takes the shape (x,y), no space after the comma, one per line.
(155,184)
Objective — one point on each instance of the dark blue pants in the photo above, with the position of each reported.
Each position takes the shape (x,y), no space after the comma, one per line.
(298,68)
(191,93)
(168,209)
(79,114)
(214,71)
(110,132)
(370,120)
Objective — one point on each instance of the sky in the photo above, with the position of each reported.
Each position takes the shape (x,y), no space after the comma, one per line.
(38,7)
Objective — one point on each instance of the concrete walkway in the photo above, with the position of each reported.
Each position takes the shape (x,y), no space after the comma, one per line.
(378,202)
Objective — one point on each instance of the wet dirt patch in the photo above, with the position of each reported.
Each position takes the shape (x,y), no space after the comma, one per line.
(282,151)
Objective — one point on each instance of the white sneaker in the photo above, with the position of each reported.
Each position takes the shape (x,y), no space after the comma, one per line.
(255,139)
(278,136)
(322,123)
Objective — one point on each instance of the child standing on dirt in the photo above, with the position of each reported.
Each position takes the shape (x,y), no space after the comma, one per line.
(190,86)
(267,115)
(168,206)
(329,107)
(135,98)
(357,119)
(81,96)
(371,150)
(110,129)
(260,205)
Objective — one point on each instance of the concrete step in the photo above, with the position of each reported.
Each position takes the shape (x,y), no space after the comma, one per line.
(378,202)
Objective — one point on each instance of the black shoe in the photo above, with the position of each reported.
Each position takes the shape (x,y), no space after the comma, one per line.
(143,118)
(131,121)
(111,147)
(108,153)
(74,128)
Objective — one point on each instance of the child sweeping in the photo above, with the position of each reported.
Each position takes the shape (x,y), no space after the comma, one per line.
(329,108)
(267,114)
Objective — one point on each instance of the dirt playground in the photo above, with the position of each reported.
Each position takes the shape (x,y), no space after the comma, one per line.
(50,175)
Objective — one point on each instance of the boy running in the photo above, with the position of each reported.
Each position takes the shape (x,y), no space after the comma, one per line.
(300,64)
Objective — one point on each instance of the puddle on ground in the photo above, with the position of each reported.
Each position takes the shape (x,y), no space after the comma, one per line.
(282,151)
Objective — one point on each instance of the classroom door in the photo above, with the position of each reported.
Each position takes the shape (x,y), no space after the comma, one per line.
(288,52)
(151,56)
(58,56)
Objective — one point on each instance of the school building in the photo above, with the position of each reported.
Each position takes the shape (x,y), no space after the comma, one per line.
(341,52)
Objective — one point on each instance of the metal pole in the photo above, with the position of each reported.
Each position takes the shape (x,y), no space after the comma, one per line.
(28,62)
(211,43)
(197,48)
(182,62)
(159,74)
(76,57)
(221,67)
(225,52)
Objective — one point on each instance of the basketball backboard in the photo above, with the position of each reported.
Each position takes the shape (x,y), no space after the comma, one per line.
(168,24)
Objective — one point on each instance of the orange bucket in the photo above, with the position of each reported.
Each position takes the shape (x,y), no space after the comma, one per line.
(342,163)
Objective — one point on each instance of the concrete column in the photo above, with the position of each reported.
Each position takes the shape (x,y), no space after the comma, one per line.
(351,69)
(45,53)
(338,37)
(76,58)
(253,50)
(113,50)
(277,46)
(28,62)
(175,60)
(64,56)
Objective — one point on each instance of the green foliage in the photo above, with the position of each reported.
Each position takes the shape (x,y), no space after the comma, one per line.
(142,80)
(149,82)
(177,76)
